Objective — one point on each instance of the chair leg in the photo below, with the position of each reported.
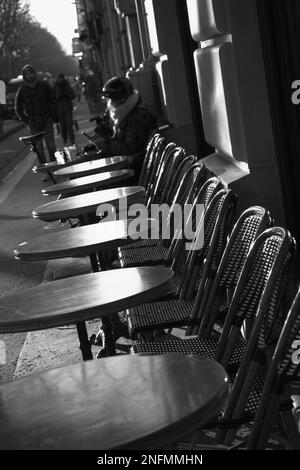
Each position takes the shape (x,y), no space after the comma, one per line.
(262,424)
(287,425)
(237,404)
(51,177)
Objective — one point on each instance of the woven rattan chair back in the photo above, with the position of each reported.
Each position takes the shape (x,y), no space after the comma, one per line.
(202,264)
(153,162)
(206,308)
(205,194)
(260,265)
(191,184)
(161,154)
(177,176)
(182,190)
(148,159)
(169,164)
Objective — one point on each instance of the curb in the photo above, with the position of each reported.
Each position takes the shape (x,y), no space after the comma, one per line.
(11,131)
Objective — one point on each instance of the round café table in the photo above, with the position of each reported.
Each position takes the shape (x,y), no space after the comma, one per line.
(86,183)
(53,166)
(94,166)
(84,240)
(118,403)
(81,298)
(94,240)
(87,203)
(79,240)
(50,167)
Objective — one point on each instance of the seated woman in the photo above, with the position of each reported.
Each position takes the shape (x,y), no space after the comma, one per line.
(124,129)
(126,125)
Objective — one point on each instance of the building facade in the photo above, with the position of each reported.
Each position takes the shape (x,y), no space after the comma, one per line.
(220,74)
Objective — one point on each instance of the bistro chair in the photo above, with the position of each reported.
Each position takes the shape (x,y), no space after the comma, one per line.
(166,171)
(152,163)
(283,376)
(246,396)
(161,152)
(229,347)
(219,275)
(160,254)
(149,158)
(188,171)
(156,255)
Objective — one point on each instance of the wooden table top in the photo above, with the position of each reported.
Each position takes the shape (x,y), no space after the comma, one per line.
(79,240)
(87,182)
(86,203)
(81,298)
(122,402)
(94,166)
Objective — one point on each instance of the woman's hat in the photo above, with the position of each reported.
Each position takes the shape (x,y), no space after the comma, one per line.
(117,87)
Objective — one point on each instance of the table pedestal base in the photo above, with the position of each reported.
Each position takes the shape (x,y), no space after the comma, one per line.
(108,331)
(51,177)
(115,329)
(84,343)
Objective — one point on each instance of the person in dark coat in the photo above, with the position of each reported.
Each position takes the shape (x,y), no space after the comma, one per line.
(35,106)
(64,95)
(124,129)
(126,125)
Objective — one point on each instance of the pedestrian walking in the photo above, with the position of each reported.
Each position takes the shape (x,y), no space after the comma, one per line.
(35,106)
(64,96)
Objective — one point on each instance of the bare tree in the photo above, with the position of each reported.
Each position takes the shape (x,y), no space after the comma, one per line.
(12,14)
(23,40)
(45,53)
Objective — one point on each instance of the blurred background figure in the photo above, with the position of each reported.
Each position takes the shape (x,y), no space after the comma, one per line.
(77,89)
(35,105)
(91,92)
(64,95)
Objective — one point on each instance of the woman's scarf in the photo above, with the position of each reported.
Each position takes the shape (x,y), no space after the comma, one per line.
(118,113)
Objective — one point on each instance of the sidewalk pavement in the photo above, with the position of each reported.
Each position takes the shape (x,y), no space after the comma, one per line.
(10,126)
(20,193)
